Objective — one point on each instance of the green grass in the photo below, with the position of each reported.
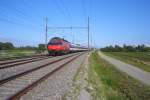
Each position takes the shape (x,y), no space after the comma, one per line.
(111,84)
(4,54)
(139,59)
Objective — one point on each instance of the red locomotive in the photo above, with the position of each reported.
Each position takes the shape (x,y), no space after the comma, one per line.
(57,46)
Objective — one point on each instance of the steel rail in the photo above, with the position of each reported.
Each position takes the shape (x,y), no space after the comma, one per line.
(34,84)
(18,60)
(23,62)
(3,81)
(15,58)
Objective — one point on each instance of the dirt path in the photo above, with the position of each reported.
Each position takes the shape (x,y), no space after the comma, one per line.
(129,69)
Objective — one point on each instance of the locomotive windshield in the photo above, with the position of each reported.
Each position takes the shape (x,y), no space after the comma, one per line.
(55,41)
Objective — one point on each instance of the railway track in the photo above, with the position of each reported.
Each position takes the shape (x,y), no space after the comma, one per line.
(21,59)
(15,86)
(12,63)
(16,58)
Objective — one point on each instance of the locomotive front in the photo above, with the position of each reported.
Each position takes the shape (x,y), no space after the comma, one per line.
(58,46)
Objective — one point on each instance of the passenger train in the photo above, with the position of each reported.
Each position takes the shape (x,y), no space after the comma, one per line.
(59,46)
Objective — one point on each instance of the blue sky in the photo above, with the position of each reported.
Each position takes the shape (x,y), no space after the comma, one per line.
(111,21)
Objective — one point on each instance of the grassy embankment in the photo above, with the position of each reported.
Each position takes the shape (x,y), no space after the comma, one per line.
(139,59)
(110,84)
(4,54)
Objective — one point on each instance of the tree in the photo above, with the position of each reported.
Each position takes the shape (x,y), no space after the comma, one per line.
(7,46)
(142,48)
(1,44)
(126,48)
(42,47)
(117,48)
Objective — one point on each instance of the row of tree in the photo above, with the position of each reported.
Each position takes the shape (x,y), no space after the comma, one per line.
(6,46)
(10,46)
(126,48)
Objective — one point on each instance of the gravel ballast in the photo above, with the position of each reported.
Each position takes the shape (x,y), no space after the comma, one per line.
(4,73)
(55,87)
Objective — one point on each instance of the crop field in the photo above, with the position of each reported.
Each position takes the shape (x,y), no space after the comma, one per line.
(111,84)
(139,59)
(15,53)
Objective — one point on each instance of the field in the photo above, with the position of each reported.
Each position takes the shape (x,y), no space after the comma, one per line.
(4,54)
(110,84)
(139,59)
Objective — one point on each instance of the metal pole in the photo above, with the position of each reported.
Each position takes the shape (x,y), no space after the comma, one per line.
(88,34)
(46,29)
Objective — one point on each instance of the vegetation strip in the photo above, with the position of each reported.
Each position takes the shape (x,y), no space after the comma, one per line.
(110,83)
